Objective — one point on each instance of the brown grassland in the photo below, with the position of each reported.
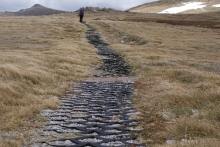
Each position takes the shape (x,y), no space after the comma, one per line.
(39,58)
(177,61)
(175,58)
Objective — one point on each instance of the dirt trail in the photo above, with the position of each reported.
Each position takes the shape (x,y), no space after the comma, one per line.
(97,113)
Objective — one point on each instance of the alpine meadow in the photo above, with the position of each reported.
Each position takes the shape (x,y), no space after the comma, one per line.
(174,57)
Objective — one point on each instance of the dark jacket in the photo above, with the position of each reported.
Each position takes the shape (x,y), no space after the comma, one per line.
(81,12)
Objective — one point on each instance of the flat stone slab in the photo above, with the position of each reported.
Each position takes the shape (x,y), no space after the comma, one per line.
(112,79)
(98,112)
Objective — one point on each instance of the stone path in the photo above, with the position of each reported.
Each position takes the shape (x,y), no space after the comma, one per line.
(97,113)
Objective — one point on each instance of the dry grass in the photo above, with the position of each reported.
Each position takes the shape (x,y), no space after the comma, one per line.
(178,69)
(198,143)
(38,56)
(159,6)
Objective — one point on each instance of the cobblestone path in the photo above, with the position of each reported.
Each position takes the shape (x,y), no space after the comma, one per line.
(96,113)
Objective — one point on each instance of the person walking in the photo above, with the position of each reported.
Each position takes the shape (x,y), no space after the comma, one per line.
(81,14)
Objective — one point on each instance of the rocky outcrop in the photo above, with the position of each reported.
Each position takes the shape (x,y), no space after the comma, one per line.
(98,9)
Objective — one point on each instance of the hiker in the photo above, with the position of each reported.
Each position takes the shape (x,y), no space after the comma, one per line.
(81,14)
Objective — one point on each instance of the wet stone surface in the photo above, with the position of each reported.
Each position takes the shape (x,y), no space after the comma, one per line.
(99,112)
(113,64)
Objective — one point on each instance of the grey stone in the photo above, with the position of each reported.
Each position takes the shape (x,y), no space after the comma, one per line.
(171,141)
(195,111)
(124,37)
(166,116)
(184,140)
(147,112)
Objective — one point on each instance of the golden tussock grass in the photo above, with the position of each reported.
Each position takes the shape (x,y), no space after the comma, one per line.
(38,58)
(178,69)
(198,143)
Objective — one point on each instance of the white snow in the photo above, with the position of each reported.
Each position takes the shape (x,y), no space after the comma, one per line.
(216,5)
(187,6)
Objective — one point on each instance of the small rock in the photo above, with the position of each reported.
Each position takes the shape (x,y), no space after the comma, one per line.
(95,134)
(55,97)
(132,43)
(166,116)
(147,112)
(124,37)
(122,41)
(195,111)
(68,142)
(150,141)
(170,141)
(46,112)
(184,140)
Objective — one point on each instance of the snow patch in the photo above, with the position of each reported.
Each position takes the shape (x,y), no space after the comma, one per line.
(216,6)
(187,6)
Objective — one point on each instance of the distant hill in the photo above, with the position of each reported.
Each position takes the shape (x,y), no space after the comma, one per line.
(36,10)
(161,5)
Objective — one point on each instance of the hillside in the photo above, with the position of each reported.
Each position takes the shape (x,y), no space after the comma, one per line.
(36,10)
(194,6)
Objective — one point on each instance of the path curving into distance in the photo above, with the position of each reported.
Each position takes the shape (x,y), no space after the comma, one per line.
(99,110)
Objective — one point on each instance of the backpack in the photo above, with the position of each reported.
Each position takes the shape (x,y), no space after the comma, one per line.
(81,12)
